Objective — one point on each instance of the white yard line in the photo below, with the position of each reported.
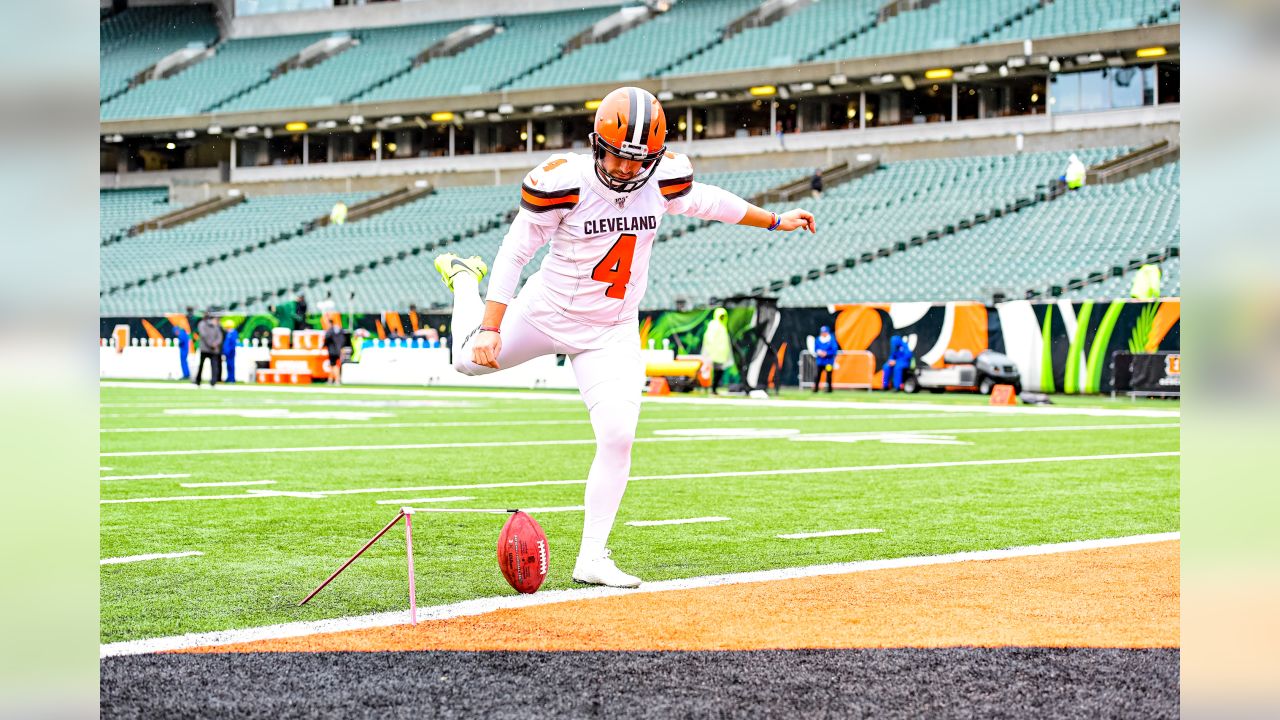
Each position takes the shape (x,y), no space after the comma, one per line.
(685,521)
(517,423)
(159,476)
(142,558)
(235,483)
(748,434)
(680,476)
(486,605)
(543,396)
(412,501)
(829,533)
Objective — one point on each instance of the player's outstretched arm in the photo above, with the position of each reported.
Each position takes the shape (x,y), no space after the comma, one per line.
(788,221)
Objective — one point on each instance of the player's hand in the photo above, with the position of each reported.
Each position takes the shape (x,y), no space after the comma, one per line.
(485,350)
(796,219)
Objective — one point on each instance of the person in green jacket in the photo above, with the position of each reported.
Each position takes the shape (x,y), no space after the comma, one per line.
(715,345)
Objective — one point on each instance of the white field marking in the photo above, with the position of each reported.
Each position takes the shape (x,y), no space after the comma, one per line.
(892,438)
(278,413)
(503,511)
(680,476)
(519,423)
(285,493)
(745,434)
(159,476)
(544,396)
(228,484)
(922,406)
(482,606)
(538,396)
(829,533)
(686,521)
(412,501)
(104,468)
(734,433)
(153,556)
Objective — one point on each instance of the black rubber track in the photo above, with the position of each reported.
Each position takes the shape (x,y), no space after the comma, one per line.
(938,683)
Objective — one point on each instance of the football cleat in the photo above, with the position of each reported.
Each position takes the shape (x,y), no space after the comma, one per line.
(602,571)
(449,265)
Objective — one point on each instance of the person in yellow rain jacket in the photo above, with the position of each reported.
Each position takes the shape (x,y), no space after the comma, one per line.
(715,345)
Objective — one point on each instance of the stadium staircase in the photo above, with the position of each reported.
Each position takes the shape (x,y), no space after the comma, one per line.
(186,214)
(1133,164)
(308,57)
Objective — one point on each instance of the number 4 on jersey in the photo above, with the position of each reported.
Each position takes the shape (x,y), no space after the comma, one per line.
(615,267)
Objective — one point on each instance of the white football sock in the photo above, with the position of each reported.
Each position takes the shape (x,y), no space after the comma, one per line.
(468,308)
(614,423)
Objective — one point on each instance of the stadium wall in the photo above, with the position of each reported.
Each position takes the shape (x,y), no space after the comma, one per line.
(1058,346)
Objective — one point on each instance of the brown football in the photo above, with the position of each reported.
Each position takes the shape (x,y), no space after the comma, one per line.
(523,552)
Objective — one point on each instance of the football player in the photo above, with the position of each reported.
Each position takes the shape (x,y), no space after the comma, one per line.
(600,212)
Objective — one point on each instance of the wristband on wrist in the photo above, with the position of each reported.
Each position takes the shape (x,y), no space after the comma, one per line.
(777,220)
(490,329)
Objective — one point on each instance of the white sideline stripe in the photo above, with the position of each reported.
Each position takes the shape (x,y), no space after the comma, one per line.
(153,556)
(829,533)
(503,511)
(683,476)
(459,498)
(229,484)
(487,605)
(514,423)
(103,468)
(160,476)
(573,397)
(686,521)
(748,434)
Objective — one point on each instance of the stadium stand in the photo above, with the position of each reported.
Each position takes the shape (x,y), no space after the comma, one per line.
(645,49)
(530,49)
(795,37)
(380,54)
(236,68)
(301,256)
(1068,17)
(255,224)
(891,206)
(526,42)
(120,210)
(393,250)
(1053,242)
(137,38)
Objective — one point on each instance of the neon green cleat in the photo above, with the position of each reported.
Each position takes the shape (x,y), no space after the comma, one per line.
(449,265)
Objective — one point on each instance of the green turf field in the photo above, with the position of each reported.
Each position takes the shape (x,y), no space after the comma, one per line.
(266,545)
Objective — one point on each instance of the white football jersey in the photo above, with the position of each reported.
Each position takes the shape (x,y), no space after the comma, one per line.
(597,270)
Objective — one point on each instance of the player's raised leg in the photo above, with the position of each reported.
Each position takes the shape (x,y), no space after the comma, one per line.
(610,381)
(521,341)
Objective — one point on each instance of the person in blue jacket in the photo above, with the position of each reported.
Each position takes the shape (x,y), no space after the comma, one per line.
(896,364)
(230,340)
(825,350)
(184,346)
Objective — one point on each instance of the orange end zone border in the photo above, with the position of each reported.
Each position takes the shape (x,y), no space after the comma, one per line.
(1123,597)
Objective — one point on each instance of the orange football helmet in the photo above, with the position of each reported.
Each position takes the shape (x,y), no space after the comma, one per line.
(629,125)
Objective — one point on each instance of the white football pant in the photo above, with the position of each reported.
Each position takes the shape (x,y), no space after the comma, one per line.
(609,380)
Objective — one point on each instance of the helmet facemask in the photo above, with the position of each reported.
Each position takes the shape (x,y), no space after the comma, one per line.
(629,151)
